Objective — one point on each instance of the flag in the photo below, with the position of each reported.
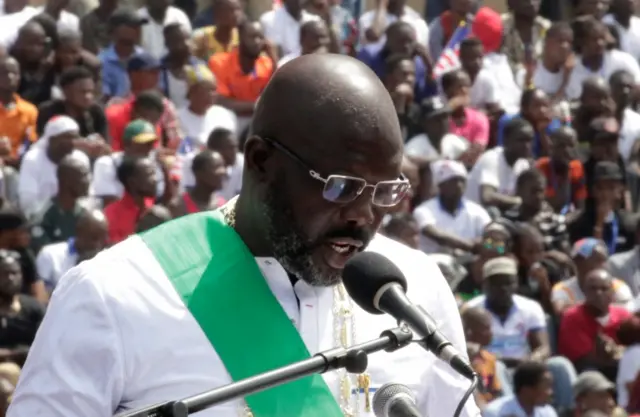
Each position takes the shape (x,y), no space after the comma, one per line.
(448,60)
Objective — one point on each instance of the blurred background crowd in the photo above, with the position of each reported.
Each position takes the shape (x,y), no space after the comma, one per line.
(522,149)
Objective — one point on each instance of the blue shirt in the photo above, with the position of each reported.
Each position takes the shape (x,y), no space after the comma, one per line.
(506,118)
(509,406)
(115,79)
(375,60)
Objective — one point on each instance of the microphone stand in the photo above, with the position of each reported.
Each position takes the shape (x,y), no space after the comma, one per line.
(353,358)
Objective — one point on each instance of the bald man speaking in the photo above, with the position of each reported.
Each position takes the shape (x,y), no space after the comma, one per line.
(218,296)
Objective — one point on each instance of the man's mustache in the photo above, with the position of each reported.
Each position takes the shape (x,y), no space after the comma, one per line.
(352,232)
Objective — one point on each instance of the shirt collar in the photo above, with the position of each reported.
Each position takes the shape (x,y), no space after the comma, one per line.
(460,206)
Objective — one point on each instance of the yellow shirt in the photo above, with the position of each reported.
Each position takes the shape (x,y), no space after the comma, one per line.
(206,44)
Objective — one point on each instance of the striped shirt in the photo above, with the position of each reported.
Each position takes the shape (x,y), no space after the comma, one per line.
(551,225)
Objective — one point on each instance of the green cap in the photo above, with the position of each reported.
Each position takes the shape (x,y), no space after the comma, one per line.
(139,131)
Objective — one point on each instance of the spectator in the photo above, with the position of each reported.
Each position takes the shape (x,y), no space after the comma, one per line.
(225,143)
(588,330)
(69,54)
(138,141)
(602,218)
(535,108)
(314,38)
(402,227)
(173,77)
(436,142)
(79,103)
(401,39)
(448,222)
(95,26)
(441,28)
(533,209)
(56,221)
(622,86)
(465,121)
(210,173)
(244,72)
(159,14)
(30,50)
(17,116)
(9,190)
(282,26)
(337,15)
(20,314)
(153,217)
(63,19)
(374,23)
(553,71)
(596,102)
(38,181)
(201,115)
(148,105)
(56,259)
(625,265)
(492,180)
(125,29)
(138,177)
(484,93)
(588,255)
(596,60)
(628,381)
(14,236)
(566,189)
(223,35)
(477,328)
(532,387)
(592,9)
(400,76)
(593,392)
(622,17)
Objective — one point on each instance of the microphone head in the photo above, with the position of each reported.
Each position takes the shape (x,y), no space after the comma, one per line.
(387,393)
(367,272)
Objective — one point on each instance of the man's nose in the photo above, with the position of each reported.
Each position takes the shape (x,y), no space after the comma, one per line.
(360,211)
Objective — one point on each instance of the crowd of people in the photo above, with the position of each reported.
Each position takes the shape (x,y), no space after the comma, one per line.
(521,142)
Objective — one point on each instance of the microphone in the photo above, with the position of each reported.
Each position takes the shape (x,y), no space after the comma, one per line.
(378,286)
(395,400)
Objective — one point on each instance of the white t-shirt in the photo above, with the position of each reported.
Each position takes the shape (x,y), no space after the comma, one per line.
(410,16)
(54,261)
(230,188)
(509,92)
(569,292)
(614,60)
(178,90)
(152,33)
(628,371)
(198,127)
(547,81)
(283,30)
(492,169)
(629,38)
(105,176)
(452,147)
(467,223)
(629,133)
(484,90)
(511,338)
(38,179)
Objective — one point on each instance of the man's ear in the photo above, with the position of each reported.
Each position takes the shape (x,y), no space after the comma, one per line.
(256,155)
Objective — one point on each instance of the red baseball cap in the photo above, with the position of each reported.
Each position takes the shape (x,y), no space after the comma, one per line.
(487,26)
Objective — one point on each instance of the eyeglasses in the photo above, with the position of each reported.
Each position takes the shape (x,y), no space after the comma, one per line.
(499,247)
(343,189)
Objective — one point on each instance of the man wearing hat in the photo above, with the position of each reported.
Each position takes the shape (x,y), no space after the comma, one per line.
(138,141)
(125,28)
(449,222)
(436,142)
(602,217)
(593,391)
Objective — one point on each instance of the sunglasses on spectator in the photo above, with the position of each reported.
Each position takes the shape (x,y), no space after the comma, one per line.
(499,247)
(343,189)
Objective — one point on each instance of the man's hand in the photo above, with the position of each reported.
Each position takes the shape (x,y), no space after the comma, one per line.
(540,274)
(402,96)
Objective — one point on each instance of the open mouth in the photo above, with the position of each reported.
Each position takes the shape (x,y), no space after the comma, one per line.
(340,251)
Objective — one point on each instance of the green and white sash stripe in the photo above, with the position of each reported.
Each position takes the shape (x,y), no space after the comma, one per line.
(220,283)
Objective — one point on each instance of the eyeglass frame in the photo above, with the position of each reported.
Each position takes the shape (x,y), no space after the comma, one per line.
(318,177)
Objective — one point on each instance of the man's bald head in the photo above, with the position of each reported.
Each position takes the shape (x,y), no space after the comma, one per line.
(321,115)
(593,84)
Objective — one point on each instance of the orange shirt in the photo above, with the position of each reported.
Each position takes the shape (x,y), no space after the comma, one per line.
(576,179)
(234,83)
(18,123)
(484,363)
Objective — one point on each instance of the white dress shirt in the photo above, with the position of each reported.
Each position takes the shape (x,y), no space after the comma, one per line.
(198,128)
(54,260)
(153,32)
(492,169)
(283,30)
(117,336)
(38,179)
(614,60)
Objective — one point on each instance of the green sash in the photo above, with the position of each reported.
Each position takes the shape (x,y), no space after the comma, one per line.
(220,283)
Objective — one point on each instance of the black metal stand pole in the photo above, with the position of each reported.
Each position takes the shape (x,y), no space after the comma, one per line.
(354,359)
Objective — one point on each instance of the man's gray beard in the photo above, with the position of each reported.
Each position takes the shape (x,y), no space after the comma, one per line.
(288,244)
